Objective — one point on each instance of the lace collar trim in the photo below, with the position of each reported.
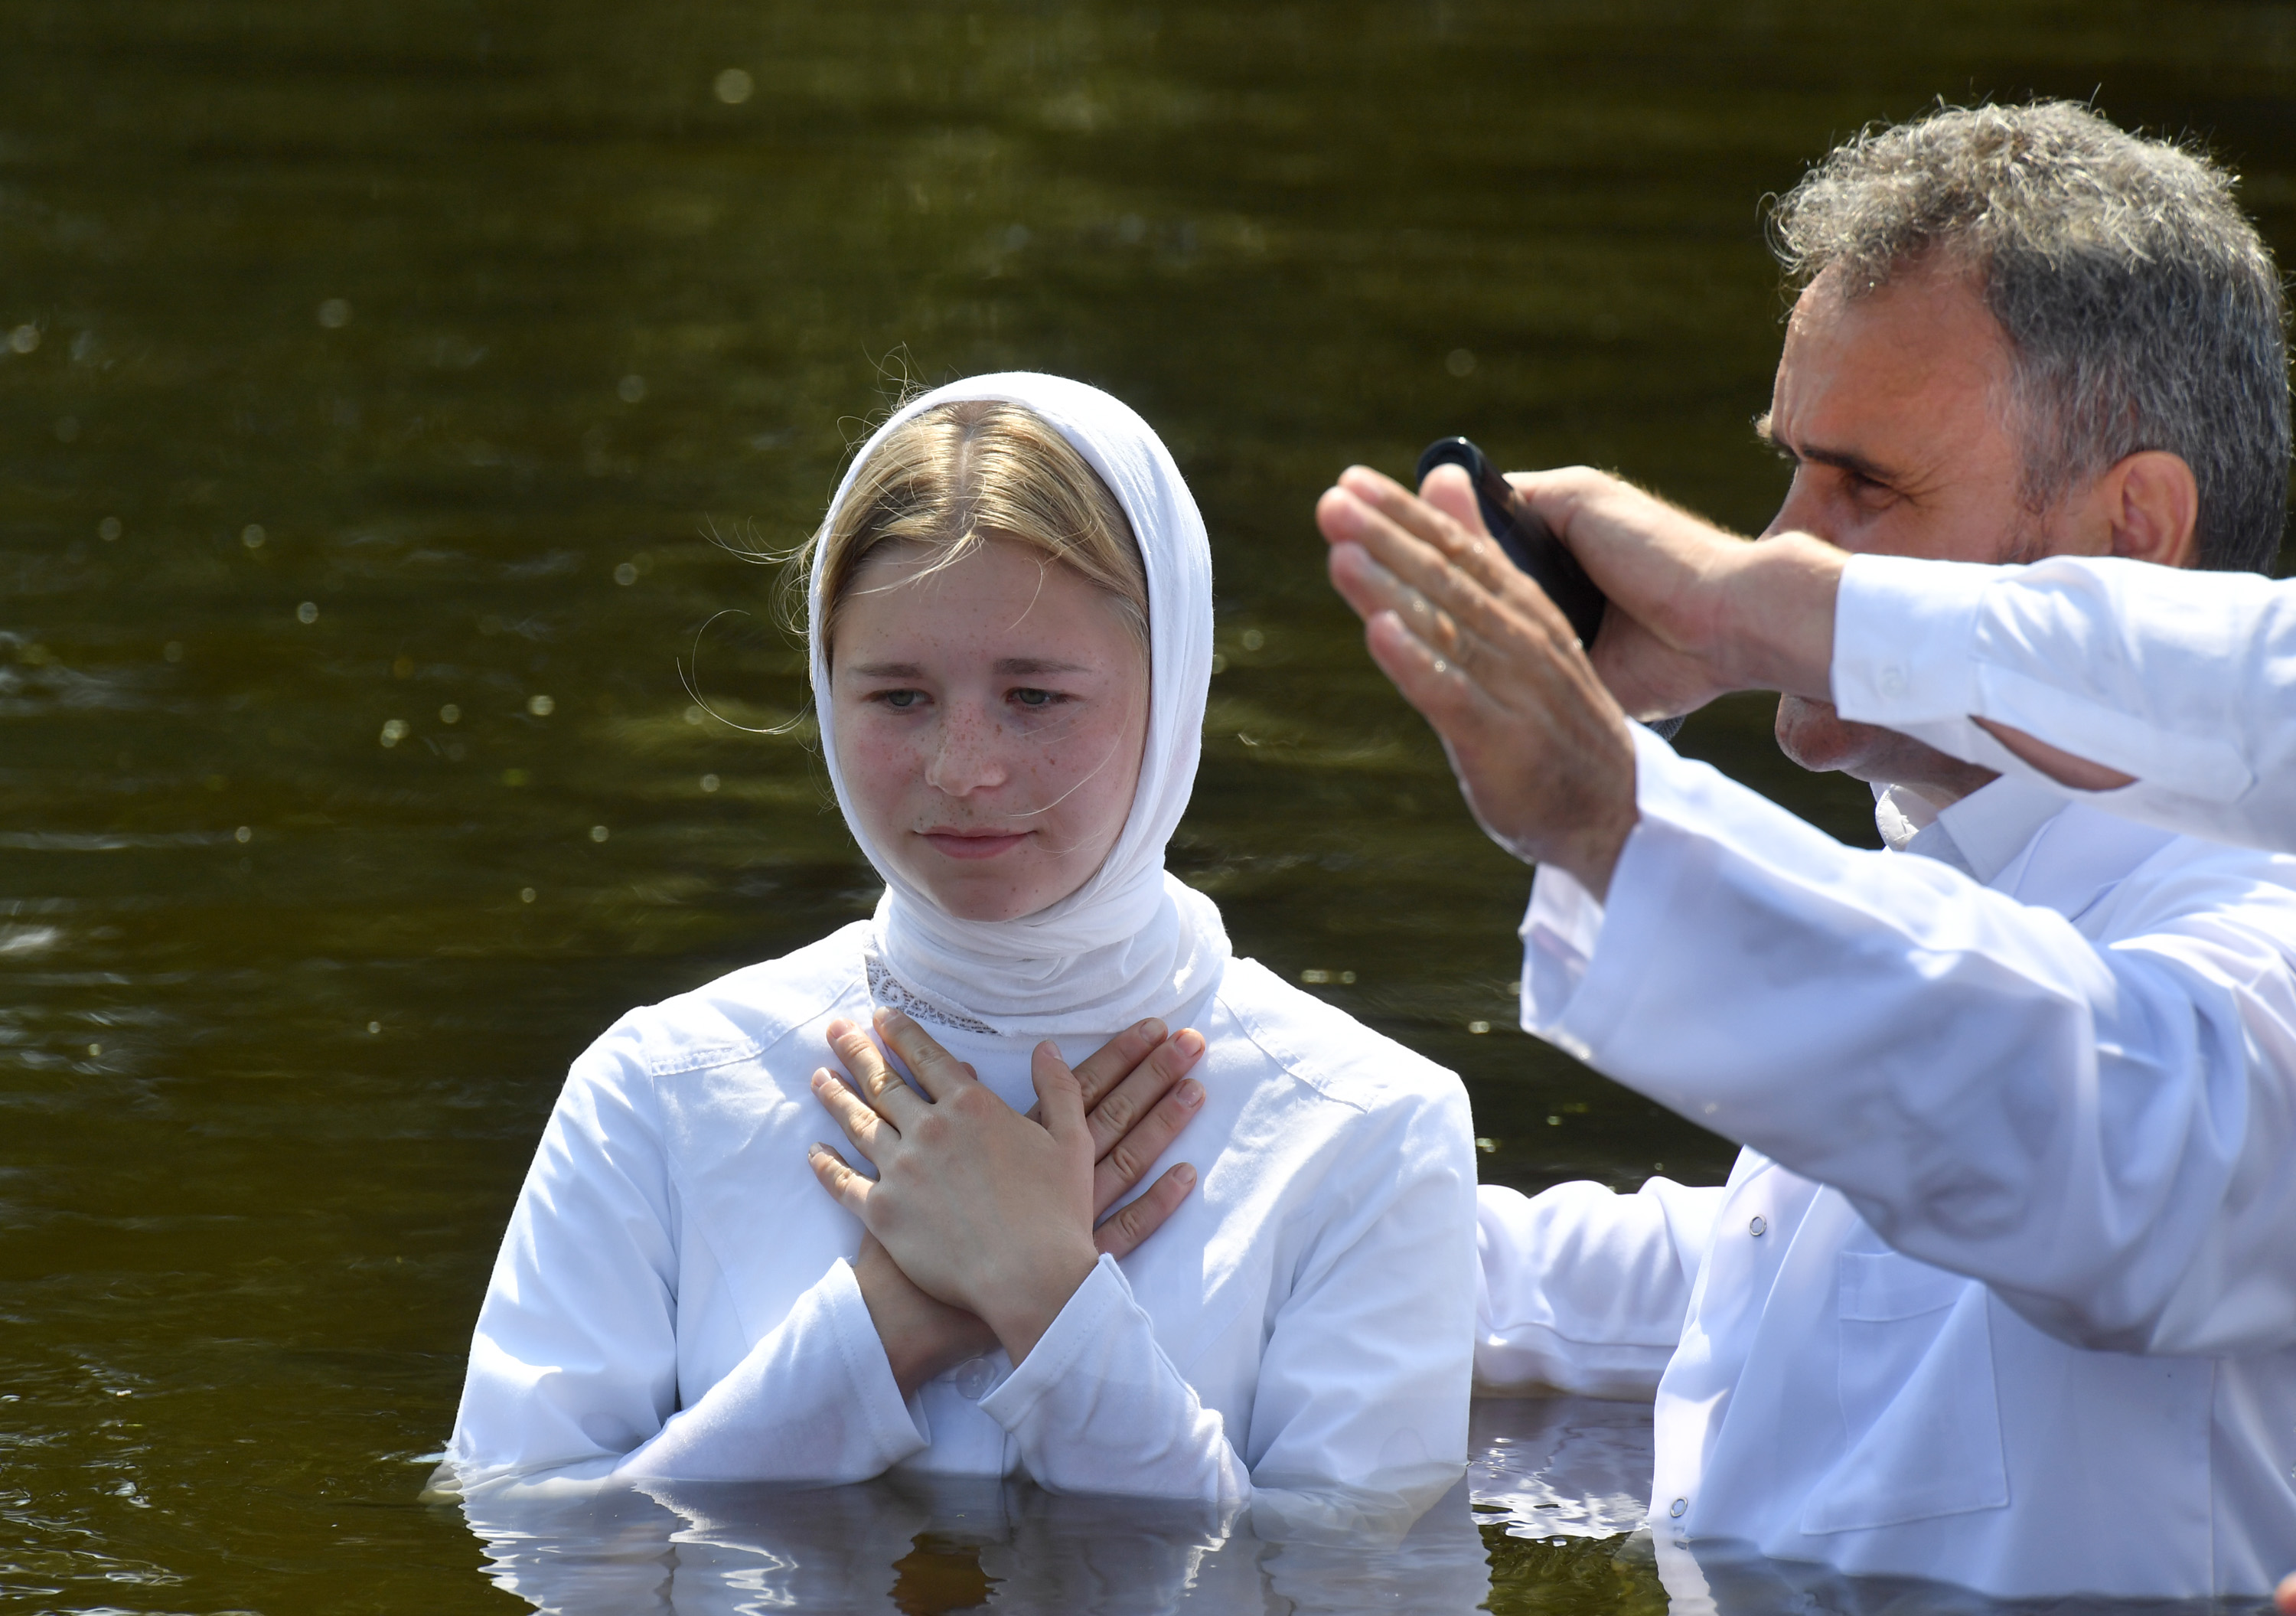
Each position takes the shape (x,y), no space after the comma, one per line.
(890,991)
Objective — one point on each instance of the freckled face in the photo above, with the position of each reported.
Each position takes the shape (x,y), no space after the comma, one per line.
(989,720)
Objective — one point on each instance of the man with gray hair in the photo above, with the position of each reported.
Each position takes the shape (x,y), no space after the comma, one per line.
(2002,1289)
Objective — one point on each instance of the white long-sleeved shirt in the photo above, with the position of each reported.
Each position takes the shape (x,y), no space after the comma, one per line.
(2185,681)
(674,1297)
(2003,1290)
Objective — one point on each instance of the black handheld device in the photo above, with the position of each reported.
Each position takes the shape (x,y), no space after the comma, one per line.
(1530,544)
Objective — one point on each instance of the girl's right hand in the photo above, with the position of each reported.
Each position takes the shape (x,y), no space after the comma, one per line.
(1137,1103)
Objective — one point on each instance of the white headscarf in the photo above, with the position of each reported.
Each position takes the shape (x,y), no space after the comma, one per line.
(1132,941)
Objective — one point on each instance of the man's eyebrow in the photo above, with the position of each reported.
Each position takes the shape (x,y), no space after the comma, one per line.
(1842,460)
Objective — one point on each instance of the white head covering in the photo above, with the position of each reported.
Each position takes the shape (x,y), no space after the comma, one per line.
(1132,941)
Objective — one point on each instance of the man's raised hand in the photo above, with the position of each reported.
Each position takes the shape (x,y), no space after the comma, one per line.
(1541,749)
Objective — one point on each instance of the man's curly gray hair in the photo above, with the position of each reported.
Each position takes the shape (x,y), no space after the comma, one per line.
(2141,309)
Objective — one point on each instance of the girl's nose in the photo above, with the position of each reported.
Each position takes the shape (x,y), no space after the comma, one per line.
(968,756)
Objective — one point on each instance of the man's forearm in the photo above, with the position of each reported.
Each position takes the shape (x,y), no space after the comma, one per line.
(1774,630)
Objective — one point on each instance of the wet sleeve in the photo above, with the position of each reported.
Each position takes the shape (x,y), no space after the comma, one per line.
(2185,680)
(1583,1290)
(574,1366)
(2103,1132)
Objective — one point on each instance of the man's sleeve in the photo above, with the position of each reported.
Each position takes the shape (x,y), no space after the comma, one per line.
(2185,680)
(1584,1290)
(2105,1135)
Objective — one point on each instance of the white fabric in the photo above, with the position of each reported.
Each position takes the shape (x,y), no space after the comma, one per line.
(2185,680)
(674,1297)
(1132,941)
(2003,1289)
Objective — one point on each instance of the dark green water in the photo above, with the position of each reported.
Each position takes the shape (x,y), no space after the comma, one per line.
(371,363)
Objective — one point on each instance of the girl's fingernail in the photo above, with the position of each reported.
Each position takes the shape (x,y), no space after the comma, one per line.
(1192,1093)
(1152,1030)
(1191,1042)
(1185,1174)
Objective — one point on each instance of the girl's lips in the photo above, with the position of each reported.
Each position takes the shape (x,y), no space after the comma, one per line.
(957,846)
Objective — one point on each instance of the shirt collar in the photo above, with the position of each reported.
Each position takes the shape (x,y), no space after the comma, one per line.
(1988,828)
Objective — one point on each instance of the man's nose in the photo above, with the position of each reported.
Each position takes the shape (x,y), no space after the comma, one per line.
(1798,514)
(969,756)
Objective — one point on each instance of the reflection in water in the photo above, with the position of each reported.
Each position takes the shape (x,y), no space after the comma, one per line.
(1547,1519)
(1546,1473)
(925,1546)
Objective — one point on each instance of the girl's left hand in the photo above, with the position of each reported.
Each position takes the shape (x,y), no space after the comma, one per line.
(983,1208)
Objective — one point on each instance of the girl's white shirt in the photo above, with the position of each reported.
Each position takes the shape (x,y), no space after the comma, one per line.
(674,1299)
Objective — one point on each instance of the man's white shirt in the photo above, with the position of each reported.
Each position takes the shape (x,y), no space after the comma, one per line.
(2003,1289)
(2185,680)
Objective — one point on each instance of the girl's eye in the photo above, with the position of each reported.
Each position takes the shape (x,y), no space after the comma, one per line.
(1034,698)
(901,700)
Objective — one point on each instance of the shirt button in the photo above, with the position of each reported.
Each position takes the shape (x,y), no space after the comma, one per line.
(1759,1227)
(972,1380)
(1679,1506)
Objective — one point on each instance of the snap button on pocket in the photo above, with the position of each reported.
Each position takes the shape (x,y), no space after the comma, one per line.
(1760,1227)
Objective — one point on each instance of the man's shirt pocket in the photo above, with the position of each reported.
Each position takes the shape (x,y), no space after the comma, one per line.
(1919,1407)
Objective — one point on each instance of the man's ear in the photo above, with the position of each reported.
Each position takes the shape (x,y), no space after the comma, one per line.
(2153,504)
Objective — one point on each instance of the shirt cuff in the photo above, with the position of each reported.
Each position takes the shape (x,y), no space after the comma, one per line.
(1559,932)
(1905,637)
(894,1422)
(1574,990)
(1104,1293)
(1565,924)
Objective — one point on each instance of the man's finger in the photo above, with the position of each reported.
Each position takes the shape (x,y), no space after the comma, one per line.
(1113,1061)
(938,1073)
(1445,517)
(871,1076)
(861,1123)
(1462,713)
(849,1189)
(1501,606)
(1122,1233)
(1136,1152)
(1372,590)
(1151,1081)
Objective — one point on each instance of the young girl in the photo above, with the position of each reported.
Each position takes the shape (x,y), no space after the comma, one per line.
(1011,619)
